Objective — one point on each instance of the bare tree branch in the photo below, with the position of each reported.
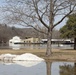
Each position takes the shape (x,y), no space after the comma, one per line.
(71,10)
(28,25)
(36,13)
(40,18)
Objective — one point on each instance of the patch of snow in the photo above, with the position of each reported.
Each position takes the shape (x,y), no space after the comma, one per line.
(27,56)
(7,55)
(26,59)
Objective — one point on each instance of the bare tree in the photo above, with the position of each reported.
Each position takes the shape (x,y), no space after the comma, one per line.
(38,14)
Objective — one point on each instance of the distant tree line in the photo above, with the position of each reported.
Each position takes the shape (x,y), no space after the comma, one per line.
(7,33)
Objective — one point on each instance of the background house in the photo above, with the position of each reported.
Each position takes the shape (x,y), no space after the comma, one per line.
(57,41)
(32,40)
(15,39)
(12,42)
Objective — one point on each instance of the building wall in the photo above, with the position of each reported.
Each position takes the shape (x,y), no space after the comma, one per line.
(15,39)
(32,40)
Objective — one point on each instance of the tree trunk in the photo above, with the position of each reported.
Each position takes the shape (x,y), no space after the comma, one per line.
(75,43)
(48,67)
(49,37)
(74,68)
(50,28)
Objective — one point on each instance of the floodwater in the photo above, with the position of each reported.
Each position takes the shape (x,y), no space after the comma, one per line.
(42,68)
(37,68)
(34,46)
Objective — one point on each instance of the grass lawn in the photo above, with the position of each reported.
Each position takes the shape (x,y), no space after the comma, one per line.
(57,54)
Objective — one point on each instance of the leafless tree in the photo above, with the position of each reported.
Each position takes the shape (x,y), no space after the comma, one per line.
(38,14)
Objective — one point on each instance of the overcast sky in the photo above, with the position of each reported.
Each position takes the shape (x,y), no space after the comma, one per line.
(62,23)
(57,18)
(2,2)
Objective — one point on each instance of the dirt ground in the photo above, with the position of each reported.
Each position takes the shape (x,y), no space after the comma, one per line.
(57,54)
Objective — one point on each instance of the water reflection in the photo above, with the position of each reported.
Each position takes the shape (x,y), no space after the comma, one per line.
(15,46)
(27,63)
(60,68)
(31,46)
(42,68)
(16,69)
(68,69)
(48,67)
(34,46)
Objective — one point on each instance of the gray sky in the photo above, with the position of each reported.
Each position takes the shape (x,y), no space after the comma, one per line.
(57,18)
(61,24)
(2,2)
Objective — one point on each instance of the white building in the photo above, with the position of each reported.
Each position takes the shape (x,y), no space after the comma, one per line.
(55,41)
(14,40)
